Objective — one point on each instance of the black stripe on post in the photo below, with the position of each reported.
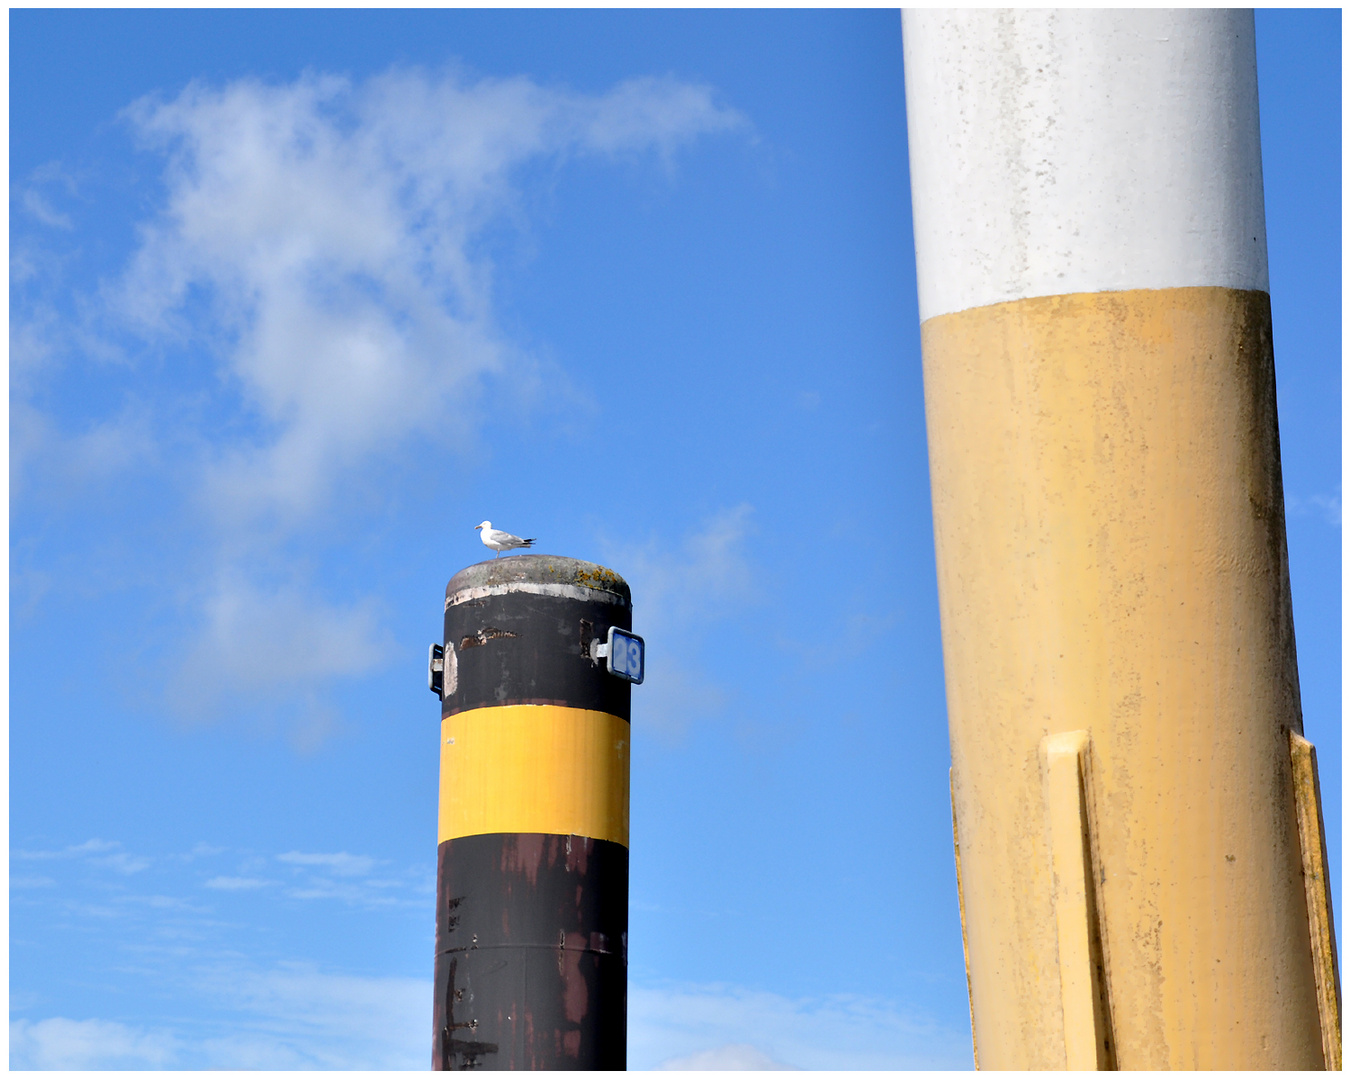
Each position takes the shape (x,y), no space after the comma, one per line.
(532,967)
(526,649)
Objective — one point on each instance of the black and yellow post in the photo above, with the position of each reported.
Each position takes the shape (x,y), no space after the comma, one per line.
(532,876)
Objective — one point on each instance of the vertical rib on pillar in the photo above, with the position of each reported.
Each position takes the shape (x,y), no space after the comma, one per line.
(532,881)
(1109,528)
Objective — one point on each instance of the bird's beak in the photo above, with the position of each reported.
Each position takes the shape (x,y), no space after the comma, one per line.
(478,526)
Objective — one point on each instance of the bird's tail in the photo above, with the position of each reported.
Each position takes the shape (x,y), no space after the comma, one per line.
(529,542)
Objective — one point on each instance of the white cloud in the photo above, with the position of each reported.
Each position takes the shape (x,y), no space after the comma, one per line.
(261,645)
(30,881)
(92,847)
(36,204)
(234,884)
(203,850)
(221,1010)
(336,227)
(681,599)
(297,1016)
(729,1027)
(122,863)
(105,854)
(1327,507)
(163,903)
(737,1056)
(345,877)
(339,863)
(35,201)
(60,1043)
(289,1017)
(73,463)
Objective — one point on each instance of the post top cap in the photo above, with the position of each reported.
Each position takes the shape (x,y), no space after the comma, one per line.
(499,575)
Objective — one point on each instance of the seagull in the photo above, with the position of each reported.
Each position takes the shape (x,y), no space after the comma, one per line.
(500,541)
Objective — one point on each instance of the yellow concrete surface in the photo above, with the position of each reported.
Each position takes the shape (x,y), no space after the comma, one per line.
(534,769)
(1109,524)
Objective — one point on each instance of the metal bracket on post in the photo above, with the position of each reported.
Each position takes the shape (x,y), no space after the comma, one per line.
(436,670)
(1317,890)
(624,654)
(1084,994)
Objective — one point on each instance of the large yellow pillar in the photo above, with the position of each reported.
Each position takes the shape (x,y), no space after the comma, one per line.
(1118,639)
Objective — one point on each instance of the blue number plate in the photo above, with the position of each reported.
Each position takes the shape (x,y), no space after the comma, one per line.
(625,655)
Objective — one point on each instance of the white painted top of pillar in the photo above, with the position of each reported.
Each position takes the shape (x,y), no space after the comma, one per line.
(1076,151)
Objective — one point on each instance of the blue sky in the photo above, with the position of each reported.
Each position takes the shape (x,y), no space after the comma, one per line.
(298,298)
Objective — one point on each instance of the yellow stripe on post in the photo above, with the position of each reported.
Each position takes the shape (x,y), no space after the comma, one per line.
(1110,547)
(534,769)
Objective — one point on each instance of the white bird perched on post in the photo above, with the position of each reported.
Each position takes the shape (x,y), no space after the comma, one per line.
(500,541)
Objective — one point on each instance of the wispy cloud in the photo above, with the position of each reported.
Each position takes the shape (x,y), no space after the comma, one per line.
(1327,507)
(105,854)
(185,933)
(264,646)
(35,202)
(234,884)
(339,863)
(359,880)
(685,595)
(33,198)
(30,881)
(300,1016)
(291,1016)
(75,464)
(122,863)
(730,1027)
(232,1013)
(733,1056)
(61,1043)
(350,879)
